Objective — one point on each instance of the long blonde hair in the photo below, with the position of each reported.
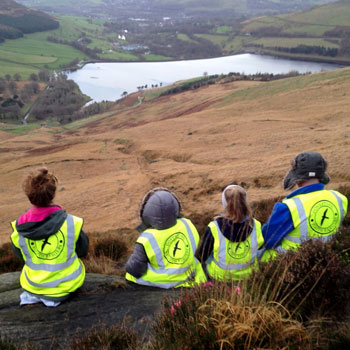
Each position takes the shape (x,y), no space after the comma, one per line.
(237,208)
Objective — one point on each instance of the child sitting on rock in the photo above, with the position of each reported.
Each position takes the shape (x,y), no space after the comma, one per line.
(163,255)
(50,242)
(231,242)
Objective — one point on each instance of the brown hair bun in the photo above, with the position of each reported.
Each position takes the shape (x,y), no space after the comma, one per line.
(40,187)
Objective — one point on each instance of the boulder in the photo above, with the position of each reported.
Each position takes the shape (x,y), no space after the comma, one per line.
(105,299)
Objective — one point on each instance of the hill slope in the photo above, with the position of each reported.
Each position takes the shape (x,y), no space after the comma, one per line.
(319,32)
(194,142)
(15,20)
(172,7)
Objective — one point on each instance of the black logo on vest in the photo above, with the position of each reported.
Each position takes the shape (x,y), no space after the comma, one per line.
(238,250)
(48,248)
(177,248)
(324,217)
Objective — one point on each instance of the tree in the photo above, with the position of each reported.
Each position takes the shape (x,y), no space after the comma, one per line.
(2,85)
(27,92)
(17,77)
(8,77)
(14,111)
(12,87)
(44,75)
(33,77)
(35,87)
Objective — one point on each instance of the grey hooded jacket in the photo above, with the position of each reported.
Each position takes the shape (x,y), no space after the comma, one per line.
(160,210)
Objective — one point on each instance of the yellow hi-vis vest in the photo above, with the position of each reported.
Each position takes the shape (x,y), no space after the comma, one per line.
(52,267)
(316,215)
(234,260)
(171,257)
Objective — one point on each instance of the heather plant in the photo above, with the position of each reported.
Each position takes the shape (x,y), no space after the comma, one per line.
(6,344)
(8,261)
(101,337)
(107,255)
(262,209)
(177,327)
(337,336)
(341,244)
(312,281)
(218,316)
(331,335)
(297,301)
(110,247)
(345,190)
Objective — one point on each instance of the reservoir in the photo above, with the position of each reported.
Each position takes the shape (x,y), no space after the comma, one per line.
(108,81)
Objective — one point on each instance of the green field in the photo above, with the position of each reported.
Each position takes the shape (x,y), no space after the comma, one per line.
(222,29)
(120,56)
(33,3)
(236,44)
(19,129)
(26,59)
(215,39)
(32,47)
(314,22)
(151,57)
(33,52)
(185,37)
(293,42)
(12,68)
(335,14)
(308,28)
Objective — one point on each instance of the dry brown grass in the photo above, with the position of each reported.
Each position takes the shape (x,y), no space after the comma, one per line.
(102,265)
(295,302)
(248,136)
(263,326)
(108,254)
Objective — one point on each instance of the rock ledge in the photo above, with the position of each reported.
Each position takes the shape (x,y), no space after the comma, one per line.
(106,299)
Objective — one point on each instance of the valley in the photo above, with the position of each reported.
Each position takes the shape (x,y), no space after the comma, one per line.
(108,31)
(195,143)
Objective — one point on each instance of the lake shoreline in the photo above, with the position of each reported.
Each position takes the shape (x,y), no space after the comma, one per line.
(261,52)
(294,57)
(109,80)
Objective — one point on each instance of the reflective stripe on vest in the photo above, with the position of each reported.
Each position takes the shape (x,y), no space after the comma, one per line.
(159,256)
(167,285)
(341,207)
(303,228)
(52,267)
(55,283)
(160,262)
(222,251)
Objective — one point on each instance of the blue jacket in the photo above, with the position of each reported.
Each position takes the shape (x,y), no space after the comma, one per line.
(280,222)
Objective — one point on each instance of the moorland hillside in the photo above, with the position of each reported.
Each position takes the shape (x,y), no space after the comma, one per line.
(195,143)
(320,33)
(15,20)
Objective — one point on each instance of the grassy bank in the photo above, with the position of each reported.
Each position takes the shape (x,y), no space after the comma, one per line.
(33,52)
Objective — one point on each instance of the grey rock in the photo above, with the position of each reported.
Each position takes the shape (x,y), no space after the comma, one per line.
(105,299)
(9,281)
